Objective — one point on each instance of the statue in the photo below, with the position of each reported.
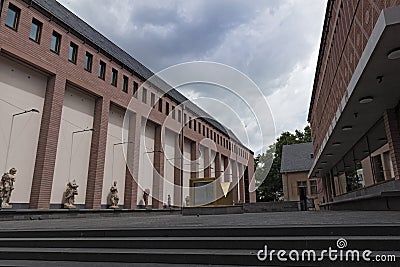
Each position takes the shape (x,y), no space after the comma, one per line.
(146,193)
(169,201)
(6,188)
(114,198)
(187,200)
(70,192)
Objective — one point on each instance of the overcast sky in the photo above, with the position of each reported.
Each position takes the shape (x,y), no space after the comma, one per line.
(274,42)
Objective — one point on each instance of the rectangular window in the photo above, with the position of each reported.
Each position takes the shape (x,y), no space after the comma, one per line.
(313,187)
(12,18)
(135,89)
(166,108)
(184,119)
(199,126)
(36,30)
(194,125)
(55,42)
(144,95)
(215,137)
(114,77)
(302,185)
(152,99)
(125,84)
(102,70)
(73,52)
(204,130)
(88,62)
(190,122)
(173,113)
(160,105)
(179,115)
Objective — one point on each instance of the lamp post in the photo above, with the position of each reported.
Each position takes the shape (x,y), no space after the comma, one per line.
(116,144)
(12,124)
(72,145)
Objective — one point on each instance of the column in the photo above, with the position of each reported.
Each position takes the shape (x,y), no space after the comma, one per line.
(241,184)
(235,181)
(158,170)
(226,169)
(47,146)
(252,181)
(97,154)
(217,165)
(207,163)
(132,158)
(393,138)
(194,156)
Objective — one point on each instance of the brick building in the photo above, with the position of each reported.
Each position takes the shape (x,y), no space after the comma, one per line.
(354,109)
(81,85)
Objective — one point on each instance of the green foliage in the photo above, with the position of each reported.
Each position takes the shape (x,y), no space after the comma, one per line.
(271,187)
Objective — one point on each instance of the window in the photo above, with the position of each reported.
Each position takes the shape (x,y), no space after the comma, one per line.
(55,42)
(125,84)
(166,108)
(215,137)
(208,132)
(218,139)
(36,30)
(152,99)
(190,122)
(184,119)
(313,187)
(73,52)
(88,62)
(12,18)
(194,125)
(144,95)
(173,113)
(179,115)
(114,77)
(204,130)
(135,89)
(302,185)
(160,105)
(199,124)
(102,70)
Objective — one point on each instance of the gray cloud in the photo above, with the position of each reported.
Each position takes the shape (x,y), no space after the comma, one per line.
(275,43)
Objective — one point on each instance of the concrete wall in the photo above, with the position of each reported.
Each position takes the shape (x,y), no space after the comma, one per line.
(20,89)
(72,160)
(115,162)
(170,161)
(146,160)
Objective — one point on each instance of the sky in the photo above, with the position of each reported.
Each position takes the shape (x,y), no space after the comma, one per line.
(273,42)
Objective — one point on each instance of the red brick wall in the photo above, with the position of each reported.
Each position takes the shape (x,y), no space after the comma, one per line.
(349,29)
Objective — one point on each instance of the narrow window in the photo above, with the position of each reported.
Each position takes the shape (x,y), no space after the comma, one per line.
(199,124)
(166,108)
(184,119)
(88,62)
(194,125)
(102,70)
(190,122)
(152,99)
(73,52)
(55,42)
(125,84)
(173,113)
(12,18)
(215,137)
(160,105)
(114,77)
(144,95)
(135,89)
(204,130)
(313,187)
(208,132)
(179,115)
(36,30)
(211,133)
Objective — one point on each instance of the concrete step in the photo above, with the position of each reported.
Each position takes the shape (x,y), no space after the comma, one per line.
(184,256)
(256,231)
(387,243)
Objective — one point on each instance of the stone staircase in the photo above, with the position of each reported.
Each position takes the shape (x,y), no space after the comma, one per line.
(202,246)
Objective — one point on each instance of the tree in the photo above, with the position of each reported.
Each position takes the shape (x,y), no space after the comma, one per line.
(271,187)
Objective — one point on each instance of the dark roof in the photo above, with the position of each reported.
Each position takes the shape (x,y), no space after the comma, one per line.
(297,158)
(77,26)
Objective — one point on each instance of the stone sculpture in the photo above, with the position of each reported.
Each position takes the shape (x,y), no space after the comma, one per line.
(146,198)
(169,201)
(6,188)
(114,198)
(70,192)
